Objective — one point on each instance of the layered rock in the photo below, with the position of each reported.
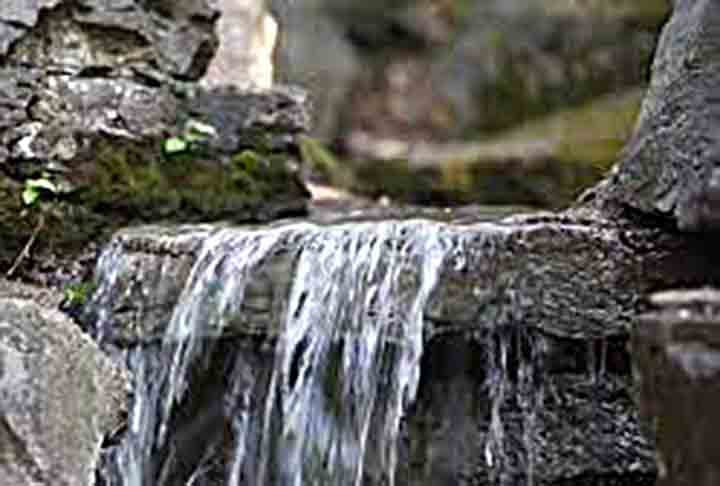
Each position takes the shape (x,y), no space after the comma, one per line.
(103,124)
(60,397)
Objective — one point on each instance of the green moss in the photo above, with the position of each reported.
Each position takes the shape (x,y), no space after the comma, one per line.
(186,186)
(591,134)
(120,183)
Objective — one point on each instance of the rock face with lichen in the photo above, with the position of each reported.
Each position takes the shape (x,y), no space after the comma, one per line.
(91,91)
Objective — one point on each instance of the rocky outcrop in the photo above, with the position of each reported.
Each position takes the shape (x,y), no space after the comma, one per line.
(102,124)
(60,397)
(677,361)
(669,167)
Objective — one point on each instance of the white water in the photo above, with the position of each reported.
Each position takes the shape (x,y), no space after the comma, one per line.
(346,357)
(345,366)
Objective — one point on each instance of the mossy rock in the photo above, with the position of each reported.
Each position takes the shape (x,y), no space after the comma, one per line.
(118,183)
(544,163)
(142,183)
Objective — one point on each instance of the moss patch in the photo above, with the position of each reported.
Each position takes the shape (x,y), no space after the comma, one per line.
(119,183)
(144,184)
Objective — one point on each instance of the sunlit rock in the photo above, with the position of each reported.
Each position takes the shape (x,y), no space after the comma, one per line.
(245,56)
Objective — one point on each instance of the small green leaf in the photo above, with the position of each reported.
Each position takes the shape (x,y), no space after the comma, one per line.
(30,195)
(175,145)
(41,184)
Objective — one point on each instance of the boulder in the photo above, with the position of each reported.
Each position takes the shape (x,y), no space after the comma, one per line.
(61,398)
(669,167)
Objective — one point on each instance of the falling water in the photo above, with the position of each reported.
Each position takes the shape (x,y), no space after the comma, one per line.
(516,392)
(346,359)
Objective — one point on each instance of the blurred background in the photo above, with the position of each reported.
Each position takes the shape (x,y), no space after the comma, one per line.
(450,102)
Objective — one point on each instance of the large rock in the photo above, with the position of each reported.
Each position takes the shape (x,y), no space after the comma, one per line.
(92,93)
(566,287)
(669,168)
(60,397)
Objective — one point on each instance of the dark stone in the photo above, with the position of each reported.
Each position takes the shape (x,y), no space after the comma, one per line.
(676,352)
(670,165)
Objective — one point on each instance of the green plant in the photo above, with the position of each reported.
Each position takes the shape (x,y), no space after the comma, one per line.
(78,293)
(35,189)
(194,134)
(35,192)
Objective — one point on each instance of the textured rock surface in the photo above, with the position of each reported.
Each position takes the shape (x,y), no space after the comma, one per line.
(677,360)
(91,91)
(567,288)
(94,68)
(670,165)
(60,397)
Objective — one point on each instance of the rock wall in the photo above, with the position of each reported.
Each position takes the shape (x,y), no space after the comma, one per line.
(103,121)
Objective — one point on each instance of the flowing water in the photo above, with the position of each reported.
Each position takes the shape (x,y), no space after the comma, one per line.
(324,403)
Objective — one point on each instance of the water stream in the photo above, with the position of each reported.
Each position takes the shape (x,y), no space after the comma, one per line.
(323,401)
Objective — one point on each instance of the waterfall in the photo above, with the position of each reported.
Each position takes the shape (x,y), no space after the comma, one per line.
(347,342)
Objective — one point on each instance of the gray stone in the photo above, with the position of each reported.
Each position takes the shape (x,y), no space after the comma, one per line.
(90,92)
(60,397)
(670,166)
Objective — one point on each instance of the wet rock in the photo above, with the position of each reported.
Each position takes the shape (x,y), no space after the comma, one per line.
(676,355)
(557,293)
(60,397)
(670,165)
